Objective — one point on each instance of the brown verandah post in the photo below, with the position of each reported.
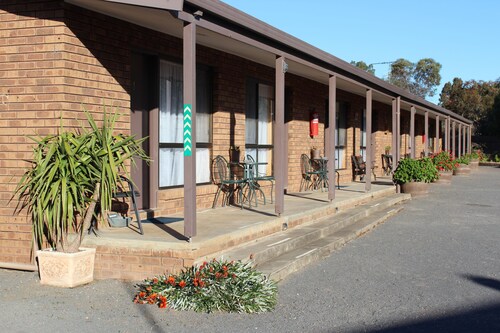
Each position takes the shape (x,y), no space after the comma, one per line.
(412,131)
(330,141)
(369,162)
(189,78)
(280,161)
(436,144)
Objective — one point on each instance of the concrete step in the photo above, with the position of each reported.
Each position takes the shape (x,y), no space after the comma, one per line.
(280,267)
(266,249)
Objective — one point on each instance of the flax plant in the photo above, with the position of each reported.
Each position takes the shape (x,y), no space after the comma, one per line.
(70,175)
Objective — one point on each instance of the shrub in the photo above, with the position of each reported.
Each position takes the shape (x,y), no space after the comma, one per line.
(443,161)
(409,170)
(214,286)
(464,159)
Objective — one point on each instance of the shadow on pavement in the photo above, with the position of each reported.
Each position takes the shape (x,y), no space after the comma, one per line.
(482,319)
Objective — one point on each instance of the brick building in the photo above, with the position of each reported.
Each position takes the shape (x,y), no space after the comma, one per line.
(249,84)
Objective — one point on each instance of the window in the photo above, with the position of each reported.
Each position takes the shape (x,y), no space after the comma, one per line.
(340,135)
(171,155)
(362,146)
(259,124)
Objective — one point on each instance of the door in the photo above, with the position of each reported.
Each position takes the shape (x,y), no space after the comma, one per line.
(143,101)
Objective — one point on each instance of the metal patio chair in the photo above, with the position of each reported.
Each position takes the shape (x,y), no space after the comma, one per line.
(260,177)
(226,182)
(309,175)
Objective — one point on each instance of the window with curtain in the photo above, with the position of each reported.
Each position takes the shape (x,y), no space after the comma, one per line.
(362,146)
(340,135)
(171,155)
(259,125)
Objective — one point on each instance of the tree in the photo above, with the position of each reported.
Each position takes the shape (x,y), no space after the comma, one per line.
(475,100)
(364,66)
(420,79)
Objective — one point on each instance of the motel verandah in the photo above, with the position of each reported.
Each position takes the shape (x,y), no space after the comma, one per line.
(250,87)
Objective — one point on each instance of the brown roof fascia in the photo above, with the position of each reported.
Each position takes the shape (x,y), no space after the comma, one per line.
(241,22)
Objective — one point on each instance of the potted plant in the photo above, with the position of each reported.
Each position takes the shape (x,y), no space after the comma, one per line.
(445,165)
(72,174)
(315,153)
(414,175)
(387,150)
(462,168)
(474,159)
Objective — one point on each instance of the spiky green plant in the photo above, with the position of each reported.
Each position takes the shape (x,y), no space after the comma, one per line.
(213,286)
(70,173)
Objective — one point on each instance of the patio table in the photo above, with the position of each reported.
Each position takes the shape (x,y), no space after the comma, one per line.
(322,179)
(251,186)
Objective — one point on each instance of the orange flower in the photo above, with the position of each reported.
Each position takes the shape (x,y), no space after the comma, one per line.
(142,294)
(171,280)
(202,284)
(163,302)
(195,282)
(182,284)
(155,280)
(224,268)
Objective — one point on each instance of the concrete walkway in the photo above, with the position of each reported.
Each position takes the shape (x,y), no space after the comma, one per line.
(230,224)
(433,268)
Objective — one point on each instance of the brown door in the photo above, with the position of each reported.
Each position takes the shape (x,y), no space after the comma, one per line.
(143,100)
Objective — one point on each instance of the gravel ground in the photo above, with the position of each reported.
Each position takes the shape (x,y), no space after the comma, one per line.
(432,268)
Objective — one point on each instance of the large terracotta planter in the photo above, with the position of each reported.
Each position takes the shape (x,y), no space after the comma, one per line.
(415,188)
(462,170)
(67,270)
(444,177)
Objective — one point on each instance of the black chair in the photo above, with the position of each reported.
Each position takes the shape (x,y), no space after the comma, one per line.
(226,182)
(254,170)
(309,175)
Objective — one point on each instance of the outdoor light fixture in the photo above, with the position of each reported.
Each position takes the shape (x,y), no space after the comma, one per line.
(285,66)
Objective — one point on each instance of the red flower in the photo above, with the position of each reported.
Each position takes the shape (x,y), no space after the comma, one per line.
(182,284)
(171,280)
(163,302)
(224,268)
(155,280)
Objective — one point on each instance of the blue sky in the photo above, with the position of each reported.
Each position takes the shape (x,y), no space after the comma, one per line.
(461,35)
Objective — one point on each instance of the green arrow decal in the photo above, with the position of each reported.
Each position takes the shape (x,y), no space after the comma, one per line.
(188,148)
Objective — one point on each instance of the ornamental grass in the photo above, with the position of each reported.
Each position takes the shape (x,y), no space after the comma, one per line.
(213,286)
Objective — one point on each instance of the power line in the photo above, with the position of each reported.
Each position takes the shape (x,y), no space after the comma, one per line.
(382,63)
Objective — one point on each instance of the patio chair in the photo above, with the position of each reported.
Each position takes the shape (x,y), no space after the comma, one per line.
(387,164)
(222,177)
(359,168)
(254,170)
(309,175)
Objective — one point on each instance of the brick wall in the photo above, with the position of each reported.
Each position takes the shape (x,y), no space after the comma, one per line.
(31,99)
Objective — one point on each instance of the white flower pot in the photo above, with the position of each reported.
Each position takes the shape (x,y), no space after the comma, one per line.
(67,270)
